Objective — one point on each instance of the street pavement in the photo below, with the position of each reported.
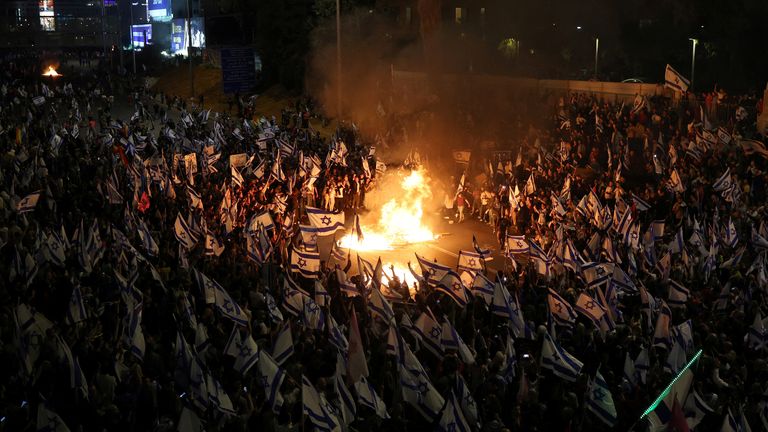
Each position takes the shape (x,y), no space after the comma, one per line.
(452,238)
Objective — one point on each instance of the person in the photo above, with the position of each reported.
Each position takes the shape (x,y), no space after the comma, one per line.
(485,203)
(460,204)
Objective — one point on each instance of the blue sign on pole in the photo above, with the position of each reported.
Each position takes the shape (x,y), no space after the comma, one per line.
(238,69)
(159,10)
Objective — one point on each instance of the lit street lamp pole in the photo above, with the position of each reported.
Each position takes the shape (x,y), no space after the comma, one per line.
(133,44)
(338,60)
(189,52)
(597,50)
(695,42)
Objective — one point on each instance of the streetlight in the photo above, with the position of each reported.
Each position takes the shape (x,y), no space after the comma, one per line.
(694,42)
(189,52)
(133,44)
(338,61)
(597,50)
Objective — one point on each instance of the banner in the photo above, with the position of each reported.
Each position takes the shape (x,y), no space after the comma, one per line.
(462,156)
(159,10)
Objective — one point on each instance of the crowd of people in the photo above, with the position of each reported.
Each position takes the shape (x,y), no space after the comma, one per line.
(162,273)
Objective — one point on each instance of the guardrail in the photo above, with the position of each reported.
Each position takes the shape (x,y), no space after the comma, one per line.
(496,83)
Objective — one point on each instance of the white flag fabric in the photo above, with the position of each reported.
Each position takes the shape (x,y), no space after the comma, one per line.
(76,311)
(184,233)
(146,238)
(530,185)
(662,414)
(430,331)
(432,271)
(243,349)
(559,361)
(305,262)
(367,396)
(451,285)
(470,261)
(600,401)
(237,178)
(695,409)
(453,419)
(272,377)
(283,347)
(517,245)
(189,421)
(590,308)
(380,307)
(347,406)
(357,366)
(507,306)
(675,81)
(327,223)
(28,203)
(419,392)
(560,309)
(49,421)
(452,341)
(316,410)
(462,156)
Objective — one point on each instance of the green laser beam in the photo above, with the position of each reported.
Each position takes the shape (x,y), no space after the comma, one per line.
(669,387)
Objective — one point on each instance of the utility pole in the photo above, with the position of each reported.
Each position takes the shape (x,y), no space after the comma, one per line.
(103,31)
(338,60)
(693,58)
(189,51)
(130,30)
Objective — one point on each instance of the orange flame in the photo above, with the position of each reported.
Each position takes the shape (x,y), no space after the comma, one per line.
(400,223)
(51,72)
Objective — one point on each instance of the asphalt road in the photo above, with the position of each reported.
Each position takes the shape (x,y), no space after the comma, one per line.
(452,238)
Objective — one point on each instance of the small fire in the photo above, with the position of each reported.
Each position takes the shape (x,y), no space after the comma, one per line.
(51,72)
(400,221)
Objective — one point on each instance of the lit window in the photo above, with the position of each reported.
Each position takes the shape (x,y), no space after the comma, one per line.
(48,23)
(459,15)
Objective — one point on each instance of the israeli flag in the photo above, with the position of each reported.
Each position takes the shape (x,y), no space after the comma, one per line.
(327,223)
(559,361)
(271,377)
(600,401)
(316,408)
(184,233)
(305,262)
(243,349)
(674,80)
(28,203)
(367,396)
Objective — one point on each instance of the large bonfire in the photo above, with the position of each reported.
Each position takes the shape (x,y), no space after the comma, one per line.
(399,223)
(51,72)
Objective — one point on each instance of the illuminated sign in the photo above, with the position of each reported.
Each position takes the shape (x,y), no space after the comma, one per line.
(47,15)
(159,10)
(180,34)
(141,35)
